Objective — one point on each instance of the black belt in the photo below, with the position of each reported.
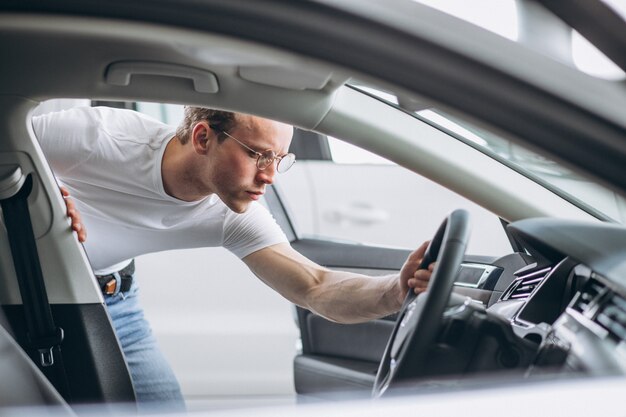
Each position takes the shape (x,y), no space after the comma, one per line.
(117,282)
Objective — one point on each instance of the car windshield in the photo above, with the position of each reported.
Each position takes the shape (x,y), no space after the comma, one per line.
(590,196)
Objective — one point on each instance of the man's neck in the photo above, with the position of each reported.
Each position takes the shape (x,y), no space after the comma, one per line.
(176,173)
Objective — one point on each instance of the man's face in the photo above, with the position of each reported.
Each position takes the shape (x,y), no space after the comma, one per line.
(231,170)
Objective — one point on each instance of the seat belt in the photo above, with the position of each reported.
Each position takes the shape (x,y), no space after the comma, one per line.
(44,337)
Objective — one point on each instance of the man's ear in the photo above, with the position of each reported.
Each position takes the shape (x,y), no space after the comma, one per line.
(200,137)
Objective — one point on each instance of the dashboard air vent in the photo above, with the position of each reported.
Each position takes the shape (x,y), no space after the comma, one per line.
(612,316)
(589,294)
(524,285)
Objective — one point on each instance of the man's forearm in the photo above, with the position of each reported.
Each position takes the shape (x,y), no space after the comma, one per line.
(353,298)
(343,297)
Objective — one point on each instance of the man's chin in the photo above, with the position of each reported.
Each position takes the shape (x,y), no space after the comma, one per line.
(239,207)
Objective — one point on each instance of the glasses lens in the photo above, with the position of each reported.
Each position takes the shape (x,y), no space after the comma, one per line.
(286,162)
(266,159)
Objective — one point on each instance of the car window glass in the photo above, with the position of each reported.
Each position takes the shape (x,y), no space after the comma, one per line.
(583,192)
(171,114)
(346,153)
(362,197)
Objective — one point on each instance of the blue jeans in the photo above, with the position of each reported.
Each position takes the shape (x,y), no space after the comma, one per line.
(155,385)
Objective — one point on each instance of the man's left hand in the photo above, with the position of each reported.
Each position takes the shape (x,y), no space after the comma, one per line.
(74,215)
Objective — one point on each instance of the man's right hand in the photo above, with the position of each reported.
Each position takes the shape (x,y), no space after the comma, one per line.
(411,277)
(74,215)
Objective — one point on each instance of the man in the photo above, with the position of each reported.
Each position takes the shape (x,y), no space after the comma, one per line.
(142,187)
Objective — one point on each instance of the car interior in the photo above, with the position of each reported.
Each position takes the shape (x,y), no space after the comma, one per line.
(554,307)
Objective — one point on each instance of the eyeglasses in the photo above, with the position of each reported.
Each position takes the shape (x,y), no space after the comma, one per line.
(266,158)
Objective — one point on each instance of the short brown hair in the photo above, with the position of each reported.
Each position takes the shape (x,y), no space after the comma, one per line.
(218,119)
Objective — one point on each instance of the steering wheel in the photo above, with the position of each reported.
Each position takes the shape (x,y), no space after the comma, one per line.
(419,319)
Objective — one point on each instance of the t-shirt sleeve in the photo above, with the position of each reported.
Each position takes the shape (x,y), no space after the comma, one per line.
(65,137)
(251,231)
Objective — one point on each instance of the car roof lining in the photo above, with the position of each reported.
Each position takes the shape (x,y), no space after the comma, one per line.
(248,66)
(252,78)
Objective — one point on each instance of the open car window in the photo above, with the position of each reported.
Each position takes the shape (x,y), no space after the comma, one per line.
(388,205)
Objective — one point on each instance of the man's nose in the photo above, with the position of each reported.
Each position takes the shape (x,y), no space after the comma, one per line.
(266,176)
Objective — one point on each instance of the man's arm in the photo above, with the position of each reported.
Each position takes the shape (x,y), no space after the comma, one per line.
(338,296)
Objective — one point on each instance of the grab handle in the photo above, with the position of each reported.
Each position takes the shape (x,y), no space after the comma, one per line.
(119,73)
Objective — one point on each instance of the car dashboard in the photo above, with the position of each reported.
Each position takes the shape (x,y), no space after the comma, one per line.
(555,307)
(570,298)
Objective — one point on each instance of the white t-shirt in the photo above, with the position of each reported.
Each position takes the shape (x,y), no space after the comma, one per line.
(110,161)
